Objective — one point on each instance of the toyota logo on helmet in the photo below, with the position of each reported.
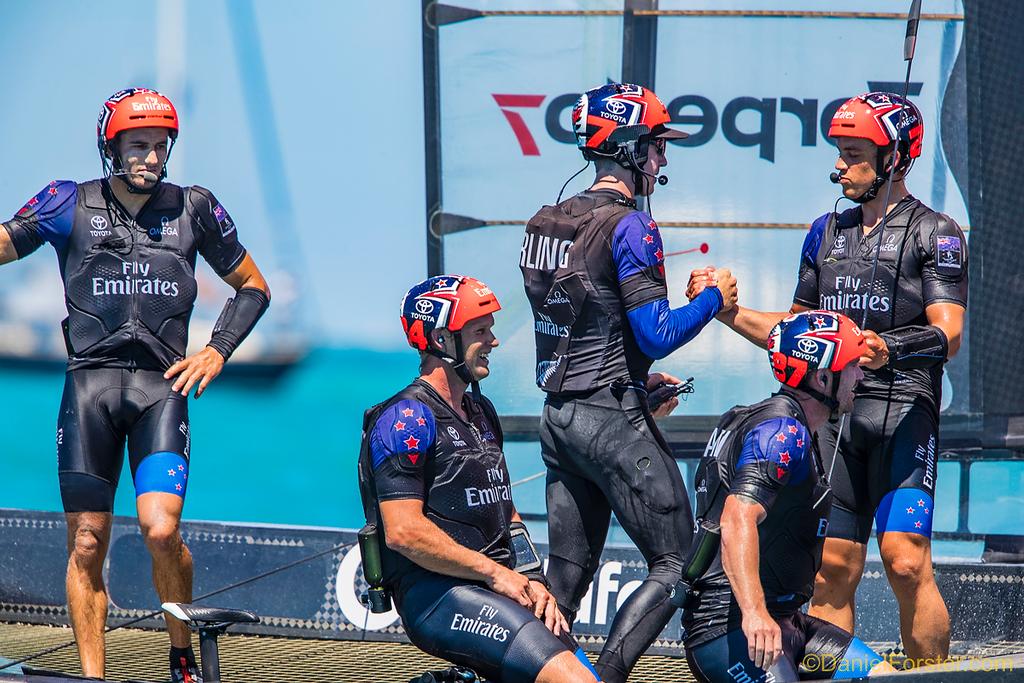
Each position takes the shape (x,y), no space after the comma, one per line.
(444,302)
(615,107)
(633,113)
(808,345)
(813,340)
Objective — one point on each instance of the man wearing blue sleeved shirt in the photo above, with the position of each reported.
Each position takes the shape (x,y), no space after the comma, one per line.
(763,504)
(593,267)
(454,553)
(126,245)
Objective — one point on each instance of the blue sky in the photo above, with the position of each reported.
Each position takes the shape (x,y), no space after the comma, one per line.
(343,115)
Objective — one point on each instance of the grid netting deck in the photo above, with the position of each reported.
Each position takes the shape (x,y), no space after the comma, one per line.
(139,655)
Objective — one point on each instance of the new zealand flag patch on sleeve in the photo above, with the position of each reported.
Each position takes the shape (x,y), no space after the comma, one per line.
(227,226)
(949,254)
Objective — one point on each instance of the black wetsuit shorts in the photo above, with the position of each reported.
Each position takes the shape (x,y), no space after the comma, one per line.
(886,469)
(472,626)
(102,410)
(824,650)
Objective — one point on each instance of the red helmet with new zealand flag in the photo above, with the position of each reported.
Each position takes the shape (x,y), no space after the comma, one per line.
(129,109)
(618,120)
(813,340)
(445,302)
(893,123)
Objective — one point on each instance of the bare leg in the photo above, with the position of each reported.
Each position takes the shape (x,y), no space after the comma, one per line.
(842,565)
(565,668)
(924,620)
(159,518)
(88,540)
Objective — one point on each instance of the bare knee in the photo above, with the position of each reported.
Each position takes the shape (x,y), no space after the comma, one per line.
(907,559)
(907,572)
(836,578)
(87,550)
(839,572)
(87,545)
(162,538)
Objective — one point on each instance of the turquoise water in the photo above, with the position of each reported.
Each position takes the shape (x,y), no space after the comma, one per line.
(262,451)
(284,451)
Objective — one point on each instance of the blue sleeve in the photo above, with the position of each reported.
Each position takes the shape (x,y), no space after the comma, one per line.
(46,217)
(637,245)
(776,452)
(660,330)
(807,292)
(639,257)
(401,439)
(812,241)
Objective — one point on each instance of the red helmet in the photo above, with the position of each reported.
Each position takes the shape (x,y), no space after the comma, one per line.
(884,118)
(813,340)
(133,108)
(614,119)
(444,302)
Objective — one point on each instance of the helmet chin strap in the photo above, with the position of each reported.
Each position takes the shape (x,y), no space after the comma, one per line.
(633,164)
(457,362)
(882,174)
(831,401)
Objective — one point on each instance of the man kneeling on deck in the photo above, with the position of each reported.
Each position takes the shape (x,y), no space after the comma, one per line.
(763,502)
(455,554)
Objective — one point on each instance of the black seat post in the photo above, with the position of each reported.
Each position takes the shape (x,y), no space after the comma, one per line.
(211,623)
(209,653)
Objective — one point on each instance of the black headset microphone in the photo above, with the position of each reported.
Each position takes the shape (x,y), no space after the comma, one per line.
(834,177)
(661,179)
(146,175)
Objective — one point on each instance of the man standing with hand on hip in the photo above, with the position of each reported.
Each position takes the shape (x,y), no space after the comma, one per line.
(126,245)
